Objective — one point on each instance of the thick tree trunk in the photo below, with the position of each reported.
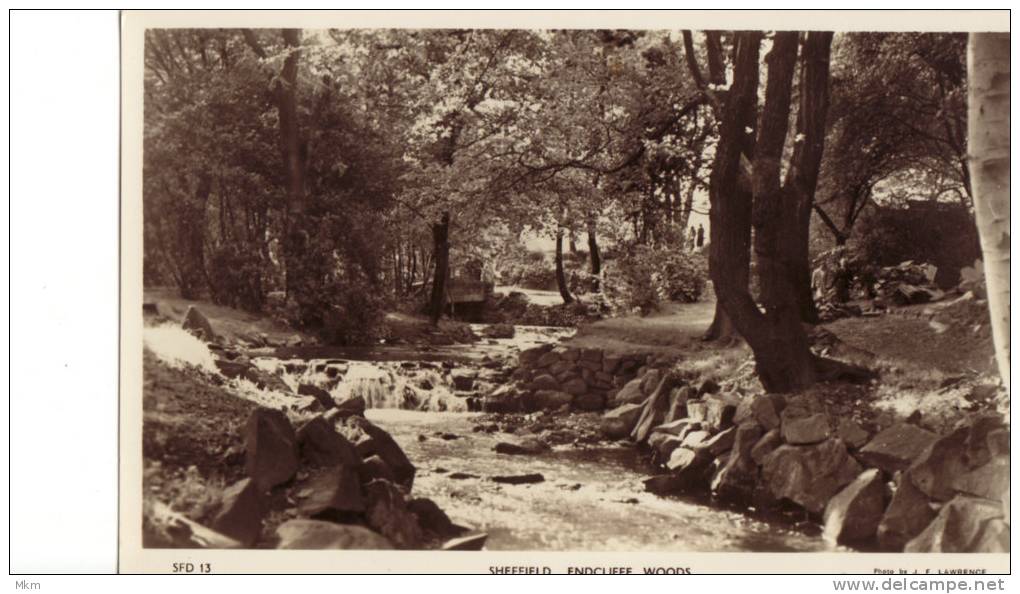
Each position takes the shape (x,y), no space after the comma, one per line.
(988,106)
(561,275)
(441,249)
(595,257)
(292,150)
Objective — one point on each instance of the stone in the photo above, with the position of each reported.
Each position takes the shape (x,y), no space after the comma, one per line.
(547,359)
(678,398)
(650,381)
(852,516)
(679,428)
(766,445)
(575,387)
(374,467)
(897,447)
(697,410)
(471,542)
(990,481)
(964,525)
(462,380)
(630,393)
(504,399)
(620,421)
(663,444)
(690,469)
(809,475)
(546,399)
(528,357)
(387,513)
(432,518)
(384,446)
(321,445)
(806,430)
(665,484)
(197,324)
(560,367)
(319,535)
(719,443)
(518,479)
(351,407)
(763,408)
(694,439)
(544,382)
(499,331)
(654,411)
(610,363)
(719,411)
(736,478)
(321,396)
(909,513)
(271,456)
(232,369)
(590,401)
(336,490)
(528,446)
(241,512)
(852,434)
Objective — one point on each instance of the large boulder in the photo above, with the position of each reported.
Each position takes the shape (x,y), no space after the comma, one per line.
(544,381)
(197,324)
(896,447)
(909,512)
(736,479)
(316,534)
(382,444)
(809,475)
(654,411)
(720,410)
(529,357)
(241,512)
(335,492)
(765,409)
(321,445)
(575,387)
(321,396)
(619,422)
(964,525)
(271,454)
(387,512)
(433,519)
(990,481)
(852,516)
(463,380)
(766,445)
(630,393)
(504,399)
(953,456)
(678,398)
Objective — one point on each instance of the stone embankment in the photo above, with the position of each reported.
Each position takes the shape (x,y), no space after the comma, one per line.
(898,488)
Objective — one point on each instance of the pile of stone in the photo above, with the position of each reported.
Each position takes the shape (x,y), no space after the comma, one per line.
(552,377)
(907,283)
(346,484)
(904,488)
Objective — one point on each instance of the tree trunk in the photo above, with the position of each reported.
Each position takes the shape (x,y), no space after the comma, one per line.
(561,276)
(595,257)
(988,142)
(292,151)
(441,249)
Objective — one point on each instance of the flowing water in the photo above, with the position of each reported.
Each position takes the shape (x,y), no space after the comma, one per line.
(590,499)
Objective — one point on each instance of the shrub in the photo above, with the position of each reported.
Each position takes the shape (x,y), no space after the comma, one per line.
(236,277)
(638,280)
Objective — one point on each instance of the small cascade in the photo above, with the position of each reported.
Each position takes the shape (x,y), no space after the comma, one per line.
(382,384)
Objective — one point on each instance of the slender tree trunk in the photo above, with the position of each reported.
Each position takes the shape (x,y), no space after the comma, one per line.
(988,106)
(561,276)
(441,249)
(292,150)
(594,256)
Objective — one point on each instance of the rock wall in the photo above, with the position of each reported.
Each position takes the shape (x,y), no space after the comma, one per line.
(902,489)
(556,377)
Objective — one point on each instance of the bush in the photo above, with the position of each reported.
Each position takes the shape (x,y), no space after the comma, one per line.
(643,277)
(345,309)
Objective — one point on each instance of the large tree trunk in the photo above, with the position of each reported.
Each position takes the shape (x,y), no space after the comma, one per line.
(561,275)
(594,256)
(441,249)
(292,150)
(802,176)
(988,143)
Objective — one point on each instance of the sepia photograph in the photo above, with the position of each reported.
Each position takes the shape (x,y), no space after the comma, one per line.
(578,283)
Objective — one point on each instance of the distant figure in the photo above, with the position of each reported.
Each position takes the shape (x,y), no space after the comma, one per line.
(701,236)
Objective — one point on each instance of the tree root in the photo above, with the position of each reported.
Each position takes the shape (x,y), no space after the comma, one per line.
(832,370)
